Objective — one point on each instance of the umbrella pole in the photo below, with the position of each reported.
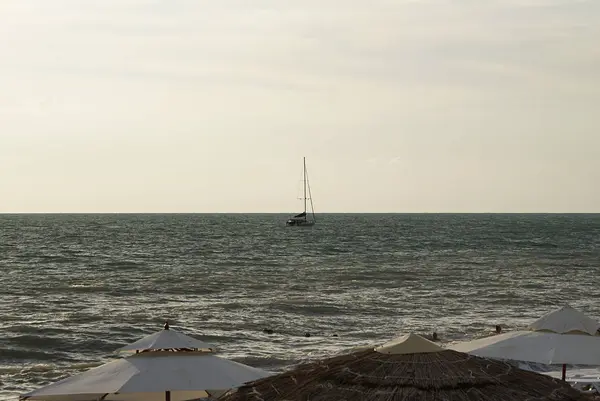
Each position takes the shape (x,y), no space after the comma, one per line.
(564,372)
(167,396)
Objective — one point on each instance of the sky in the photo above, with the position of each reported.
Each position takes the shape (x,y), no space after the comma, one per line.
(209,106)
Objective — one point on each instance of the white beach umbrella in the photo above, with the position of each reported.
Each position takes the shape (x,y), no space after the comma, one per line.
(167,340)
(564,336)
(566,320)
(162,374)
(169,375)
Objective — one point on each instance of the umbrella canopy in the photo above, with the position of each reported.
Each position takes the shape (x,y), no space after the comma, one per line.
(166,340)
(167,365)
(564,336)
(566,320)
(149,375)
(408,369)
(409,344)
(538,347)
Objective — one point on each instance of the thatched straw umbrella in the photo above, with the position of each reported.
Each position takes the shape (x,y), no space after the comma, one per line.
(410,368)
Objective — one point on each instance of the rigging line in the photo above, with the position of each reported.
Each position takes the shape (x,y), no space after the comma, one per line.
(312,207)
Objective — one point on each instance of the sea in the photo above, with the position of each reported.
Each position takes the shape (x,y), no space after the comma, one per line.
(74,288)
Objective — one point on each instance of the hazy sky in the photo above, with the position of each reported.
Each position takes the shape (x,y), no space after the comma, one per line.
(209,106)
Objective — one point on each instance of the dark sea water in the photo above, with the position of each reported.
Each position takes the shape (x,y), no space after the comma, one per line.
(76,287)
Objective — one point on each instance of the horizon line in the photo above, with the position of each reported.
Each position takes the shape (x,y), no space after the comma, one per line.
(276,213)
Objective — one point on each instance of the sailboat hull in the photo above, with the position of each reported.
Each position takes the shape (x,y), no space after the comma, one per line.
(299,223)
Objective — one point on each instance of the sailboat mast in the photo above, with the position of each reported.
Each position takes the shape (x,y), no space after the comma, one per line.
(304,164)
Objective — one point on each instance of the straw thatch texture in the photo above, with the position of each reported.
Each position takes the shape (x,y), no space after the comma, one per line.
(372,376)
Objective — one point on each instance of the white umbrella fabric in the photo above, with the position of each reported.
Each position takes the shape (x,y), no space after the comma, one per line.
(175,371)
(566,320)
(167,340)
(169,375)
(541,344)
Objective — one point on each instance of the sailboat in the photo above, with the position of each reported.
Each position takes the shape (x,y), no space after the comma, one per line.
(303,219)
